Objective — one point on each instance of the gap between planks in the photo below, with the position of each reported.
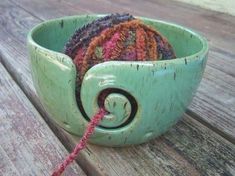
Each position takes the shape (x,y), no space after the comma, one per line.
(27,144)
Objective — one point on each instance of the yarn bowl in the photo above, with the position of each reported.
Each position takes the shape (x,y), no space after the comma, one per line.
(145,98)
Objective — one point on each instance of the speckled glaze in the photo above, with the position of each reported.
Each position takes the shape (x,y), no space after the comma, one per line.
(146,98)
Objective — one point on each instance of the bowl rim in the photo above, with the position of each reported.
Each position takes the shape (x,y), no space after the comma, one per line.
(202,52)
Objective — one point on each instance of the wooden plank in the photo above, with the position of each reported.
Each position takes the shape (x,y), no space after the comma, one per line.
(187,149)
(226,6)
(219,29)
(27,145)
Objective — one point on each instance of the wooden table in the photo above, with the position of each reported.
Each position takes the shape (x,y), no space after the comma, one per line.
(202,143)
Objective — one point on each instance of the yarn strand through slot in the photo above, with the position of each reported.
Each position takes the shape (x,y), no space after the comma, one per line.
(114,37)
(82,143)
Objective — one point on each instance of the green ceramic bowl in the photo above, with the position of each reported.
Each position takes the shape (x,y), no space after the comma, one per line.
(146,98)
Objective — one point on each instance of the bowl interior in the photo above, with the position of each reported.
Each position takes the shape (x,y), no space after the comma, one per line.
(54,34)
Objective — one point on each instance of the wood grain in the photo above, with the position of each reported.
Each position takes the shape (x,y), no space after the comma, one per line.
(226,6)
(27,145)
(189,148)
(215,97)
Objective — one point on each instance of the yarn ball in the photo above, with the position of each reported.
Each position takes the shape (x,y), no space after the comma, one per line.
(116,37)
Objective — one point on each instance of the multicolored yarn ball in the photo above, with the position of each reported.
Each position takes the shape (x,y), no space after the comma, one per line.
(113,37)
(116,37)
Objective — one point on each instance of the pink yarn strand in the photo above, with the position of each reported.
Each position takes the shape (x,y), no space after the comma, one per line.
(82,143)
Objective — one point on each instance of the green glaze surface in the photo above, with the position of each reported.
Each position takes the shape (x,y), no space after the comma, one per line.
(147,98)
